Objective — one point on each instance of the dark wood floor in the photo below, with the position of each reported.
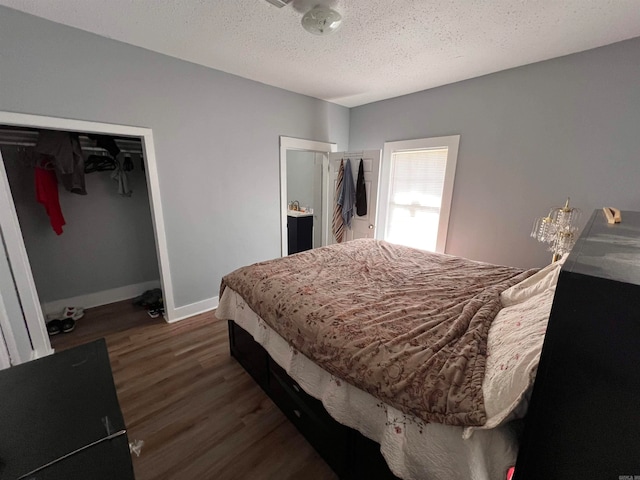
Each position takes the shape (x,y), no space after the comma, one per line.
(199,413)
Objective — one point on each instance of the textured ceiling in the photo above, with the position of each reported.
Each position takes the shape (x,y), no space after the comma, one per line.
(384,48)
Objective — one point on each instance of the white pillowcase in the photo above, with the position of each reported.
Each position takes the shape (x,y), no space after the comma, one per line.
(535,284)
(513,354)
(514,345)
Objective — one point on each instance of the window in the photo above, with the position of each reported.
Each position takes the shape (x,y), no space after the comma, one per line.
(419,177)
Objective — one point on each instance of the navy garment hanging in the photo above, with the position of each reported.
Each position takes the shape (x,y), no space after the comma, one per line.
(361,192)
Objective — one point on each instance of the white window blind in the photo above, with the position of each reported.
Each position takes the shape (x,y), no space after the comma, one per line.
(415,197)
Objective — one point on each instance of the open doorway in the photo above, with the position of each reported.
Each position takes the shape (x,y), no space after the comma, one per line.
(304,179)
(33,317)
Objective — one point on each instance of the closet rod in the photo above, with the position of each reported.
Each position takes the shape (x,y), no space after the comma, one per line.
(84,149)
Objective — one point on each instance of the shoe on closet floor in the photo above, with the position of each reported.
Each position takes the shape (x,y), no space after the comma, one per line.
(155,312)
(54,327)
(72,312)
(68,325)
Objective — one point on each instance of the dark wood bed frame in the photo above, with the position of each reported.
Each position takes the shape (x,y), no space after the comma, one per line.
(350,454)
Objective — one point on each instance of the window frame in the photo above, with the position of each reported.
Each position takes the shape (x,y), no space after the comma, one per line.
(452,143)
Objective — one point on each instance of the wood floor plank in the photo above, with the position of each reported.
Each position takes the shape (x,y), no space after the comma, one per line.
(199,413)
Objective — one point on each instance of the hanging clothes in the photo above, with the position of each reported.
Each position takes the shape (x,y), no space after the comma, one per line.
(47,195)
(361,192)
(337,225)
(65,148)
(120,176)
(107,142)
(348,195)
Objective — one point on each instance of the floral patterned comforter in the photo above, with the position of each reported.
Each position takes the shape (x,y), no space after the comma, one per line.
(407,326)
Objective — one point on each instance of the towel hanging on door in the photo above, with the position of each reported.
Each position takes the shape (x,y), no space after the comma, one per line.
(337,225)
(361,192)
(348,195)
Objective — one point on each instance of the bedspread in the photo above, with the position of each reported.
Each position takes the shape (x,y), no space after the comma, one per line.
(407,326)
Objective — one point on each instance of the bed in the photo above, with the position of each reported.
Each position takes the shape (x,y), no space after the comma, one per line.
(379,350)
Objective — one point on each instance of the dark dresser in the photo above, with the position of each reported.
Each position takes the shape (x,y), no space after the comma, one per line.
(60,415)
(584,417)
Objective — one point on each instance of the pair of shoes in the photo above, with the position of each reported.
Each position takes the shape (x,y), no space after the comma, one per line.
(56,326)
(72,312)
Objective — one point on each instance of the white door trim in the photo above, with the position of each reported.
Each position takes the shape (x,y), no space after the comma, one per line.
(290,143)
(15,243)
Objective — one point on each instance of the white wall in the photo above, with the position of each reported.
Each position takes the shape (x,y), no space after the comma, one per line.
(530,137)
(216,136)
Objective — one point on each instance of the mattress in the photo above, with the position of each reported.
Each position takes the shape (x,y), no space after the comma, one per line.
(413,449)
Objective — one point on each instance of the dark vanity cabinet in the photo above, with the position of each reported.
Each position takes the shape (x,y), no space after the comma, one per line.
(584,417)
(299,233)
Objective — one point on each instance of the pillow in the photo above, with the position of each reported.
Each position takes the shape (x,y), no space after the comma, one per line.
(533,285)
(513,352)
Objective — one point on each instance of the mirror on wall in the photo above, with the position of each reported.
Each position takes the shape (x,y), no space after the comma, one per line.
(304,203)
(304,190)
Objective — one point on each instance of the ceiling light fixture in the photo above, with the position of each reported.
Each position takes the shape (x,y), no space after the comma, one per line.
(321,20)
(279,3)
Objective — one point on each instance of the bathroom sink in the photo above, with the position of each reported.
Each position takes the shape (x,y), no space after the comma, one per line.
(298,213)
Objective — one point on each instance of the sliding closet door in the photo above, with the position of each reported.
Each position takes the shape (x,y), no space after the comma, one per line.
(21,318)
(15,333)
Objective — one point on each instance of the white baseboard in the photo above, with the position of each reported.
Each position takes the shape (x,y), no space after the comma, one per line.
(180,313)
(100,298)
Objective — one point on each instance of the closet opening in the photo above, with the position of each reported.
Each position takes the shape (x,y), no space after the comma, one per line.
(81,225)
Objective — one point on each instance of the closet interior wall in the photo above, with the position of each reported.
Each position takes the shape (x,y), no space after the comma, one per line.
(107,247)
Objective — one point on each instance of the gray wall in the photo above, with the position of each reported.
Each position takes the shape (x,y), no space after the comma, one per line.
(530,137)
(107,240)
(216,136)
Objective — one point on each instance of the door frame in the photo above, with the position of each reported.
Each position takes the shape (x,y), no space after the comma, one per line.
(10,226)
(291,143)
(373,198)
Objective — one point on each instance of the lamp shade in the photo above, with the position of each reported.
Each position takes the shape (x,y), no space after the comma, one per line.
(558,229)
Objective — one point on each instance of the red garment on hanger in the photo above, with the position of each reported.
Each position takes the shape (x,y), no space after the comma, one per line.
(47,195)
